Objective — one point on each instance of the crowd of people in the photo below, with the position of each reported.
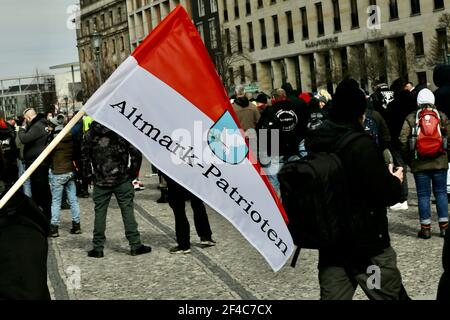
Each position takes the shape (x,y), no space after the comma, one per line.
(405,126)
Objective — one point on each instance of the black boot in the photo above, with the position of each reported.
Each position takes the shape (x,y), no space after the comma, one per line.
(164,197)
(444,227)
(76,228)
(53,233)
(425,232)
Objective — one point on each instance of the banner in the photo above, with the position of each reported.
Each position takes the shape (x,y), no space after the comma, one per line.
(168,101)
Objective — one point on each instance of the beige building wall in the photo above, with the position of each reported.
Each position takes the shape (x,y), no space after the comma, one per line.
(109,19)
(144,15)
(394,37)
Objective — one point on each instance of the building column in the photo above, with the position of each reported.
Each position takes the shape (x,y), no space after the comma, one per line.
(276,74)
(305,73)
(265,77)
(392,60)
(372,63)
(320,70)
(336,67)
(290,71)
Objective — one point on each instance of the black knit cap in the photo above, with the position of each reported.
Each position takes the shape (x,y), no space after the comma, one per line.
(349,101)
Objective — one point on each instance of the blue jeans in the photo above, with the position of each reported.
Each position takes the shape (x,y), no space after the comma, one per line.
(59,183)
(424,181)
(27,184)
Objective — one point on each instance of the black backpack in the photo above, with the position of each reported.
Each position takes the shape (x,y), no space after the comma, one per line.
(315,196)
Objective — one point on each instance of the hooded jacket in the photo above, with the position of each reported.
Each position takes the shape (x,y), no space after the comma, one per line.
(108,154)
(246,112)
(371,189)
(441,78)
(34,138)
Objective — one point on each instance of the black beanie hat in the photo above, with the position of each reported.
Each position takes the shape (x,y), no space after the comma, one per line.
(349,101)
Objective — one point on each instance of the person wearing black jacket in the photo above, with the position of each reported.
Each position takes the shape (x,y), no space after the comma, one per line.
(23,248)
(371,188)
(34,134)
(444,285)
(10,150)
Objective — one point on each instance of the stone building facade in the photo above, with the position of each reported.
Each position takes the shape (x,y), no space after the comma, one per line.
(144,15)
(314,44)
(109,19)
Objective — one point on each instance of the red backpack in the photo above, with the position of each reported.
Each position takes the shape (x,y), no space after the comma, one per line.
(430,140)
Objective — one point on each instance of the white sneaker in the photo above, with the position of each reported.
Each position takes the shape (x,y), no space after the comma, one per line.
(400,206)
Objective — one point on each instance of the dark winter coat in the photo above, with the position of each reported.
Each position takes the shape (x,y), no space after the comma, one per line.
(444,284)
(442,80)
(62,155)
(371,189)
(109,155)
(23,250)
(34,138)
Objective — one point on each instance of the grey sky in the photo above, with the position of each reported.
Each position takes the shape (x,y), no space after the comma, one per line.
(34,34)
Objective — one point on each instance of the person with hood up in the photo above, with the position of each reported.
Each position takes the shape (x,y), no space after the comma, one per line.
(115,163)
(371,188)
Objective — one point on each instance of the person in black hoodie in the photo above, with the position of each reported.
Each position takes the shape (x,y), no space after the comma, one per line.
(23,247)
(371,188)
(34,134)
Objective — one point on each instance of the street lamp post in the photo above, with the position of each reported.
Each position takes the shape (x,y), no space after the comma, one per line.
(96,41)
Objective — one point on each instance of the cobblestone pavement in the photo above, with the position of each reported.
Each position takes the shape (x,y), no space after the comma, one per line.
(232,270)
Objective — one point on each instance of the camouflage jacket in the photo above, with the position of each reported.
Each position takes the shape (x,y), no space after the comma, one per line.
(112,158)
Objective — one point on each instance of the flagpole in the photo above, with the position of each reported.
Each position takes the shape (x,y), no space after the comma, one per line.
(41,157)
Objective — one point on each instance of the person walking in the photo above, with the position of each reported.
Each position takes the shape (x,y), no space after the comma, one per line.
(115,163)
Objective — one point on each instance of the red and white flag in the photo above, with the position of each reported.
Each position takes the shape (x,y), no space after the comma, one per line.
(168,100)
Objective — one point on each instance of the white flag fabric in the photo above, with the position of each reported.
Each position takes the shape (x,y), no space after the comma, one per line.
(168,101)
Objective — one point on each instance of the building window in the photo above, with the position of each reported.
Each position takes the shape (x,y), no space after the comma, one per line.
(415,7)
(273,1)
(201,31)
(231,75)
(102,18)
(228,41)
(276,31)
(236,9)
(113,46)
(251,41)
(320,25)
(438,4)
(422,78)
(225,10)
(290,26)
(337,16)
(239,38)
(305,29)
(119,13)
(105,49)
(254,73)
(354,14)
(260,4)
(201,8)
(83,56)
(393,9)
(418,42)
(213,33)
(262,27)
(248,8)
(442,42)
(111,18)
(122,43)
(242,73)
(213,4)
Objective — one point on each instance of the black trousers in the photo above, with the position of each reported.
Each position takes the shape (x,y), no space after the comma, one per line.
(40,189)
(177,201)
(23,263)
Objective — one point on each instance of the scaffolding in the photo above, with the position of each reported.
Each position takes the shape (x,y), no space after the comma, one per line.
(19,93)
